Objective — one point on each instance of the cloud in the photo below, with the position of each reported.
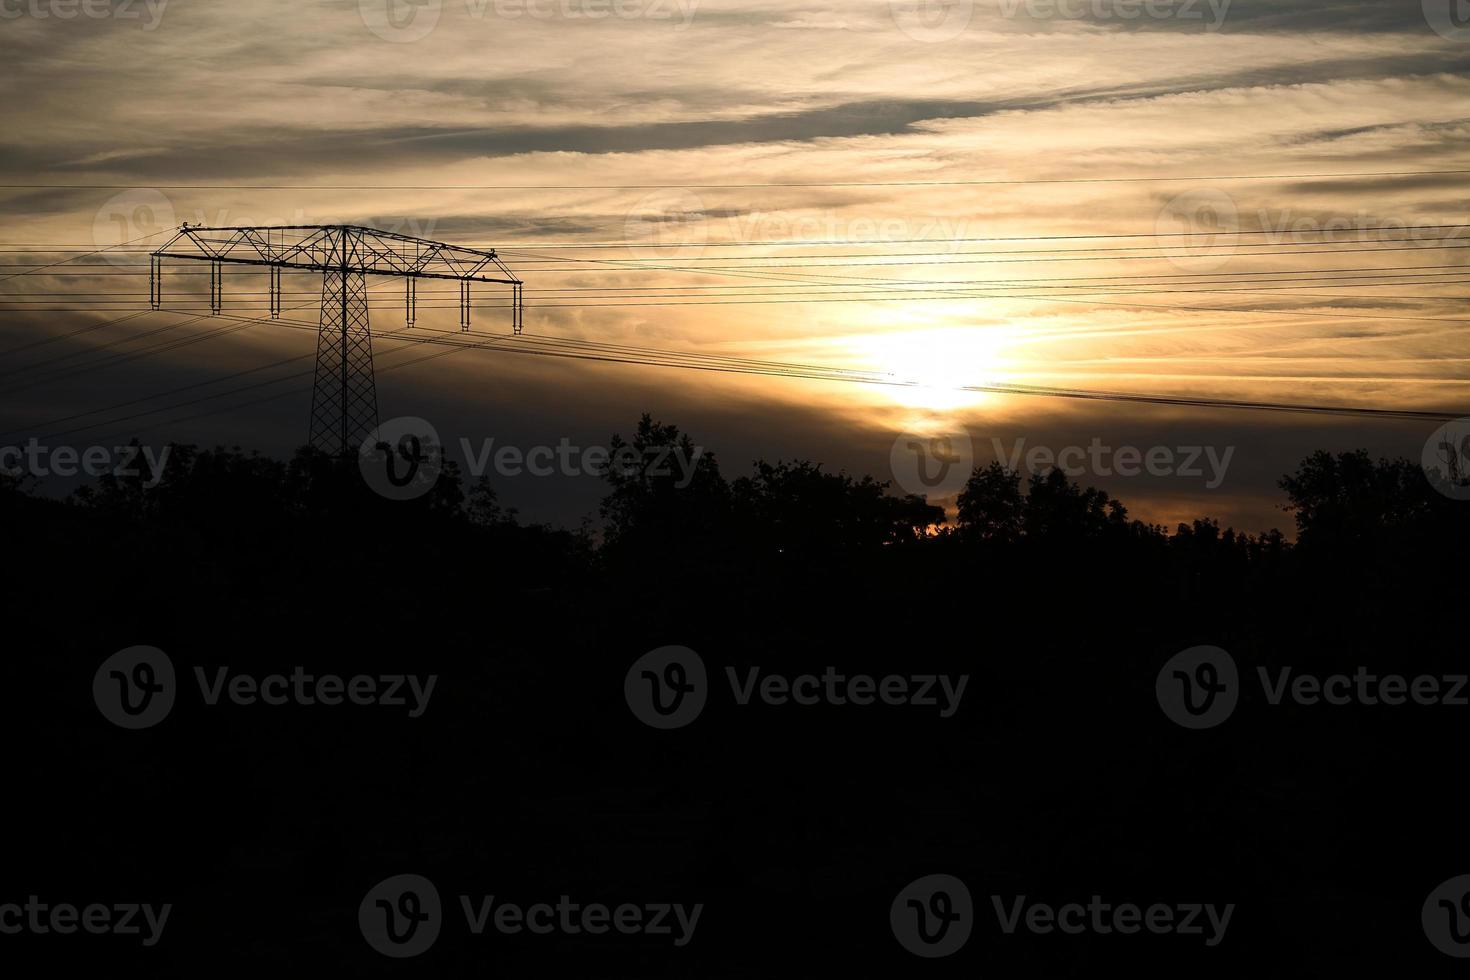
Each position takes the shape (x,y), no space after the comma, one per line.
(262,100)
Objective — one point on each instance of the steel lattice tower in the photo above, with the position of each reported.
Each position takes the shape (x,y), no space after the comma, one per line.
(344,401)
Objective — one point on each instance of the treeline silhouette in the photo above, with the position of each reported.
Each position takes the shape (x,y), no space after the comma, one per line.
(528,777)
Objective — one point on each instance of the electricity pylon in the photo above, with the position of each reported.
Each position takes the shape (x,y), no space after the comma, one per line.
(344,401)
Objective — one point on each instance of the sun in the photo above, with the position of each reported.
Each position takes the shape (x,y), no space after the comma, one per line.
(932,367)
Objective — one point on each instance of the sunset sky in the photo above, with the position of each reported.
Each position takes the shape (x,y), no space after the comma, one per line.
(953,156)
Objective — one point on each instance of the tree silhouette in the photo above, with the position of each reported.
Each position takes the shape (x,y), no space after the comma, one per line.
(1060,607)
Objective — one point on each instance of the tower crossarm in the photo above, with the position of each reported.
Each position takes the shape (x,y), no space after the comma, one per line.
(337,248)
(344,401)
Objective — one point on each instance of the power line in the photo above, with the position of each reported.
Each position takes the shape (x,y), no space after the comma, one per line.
(75,333)
(1045,258)
(928,241)
(888,290)
(1038,251)
(53,247)
(569,348)
(894,295)
(818,277)
(246,321)
(99,251)
(739,186)
(270,398)
(1114,396)
(1400,271)
(128,356)
(1063,282)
